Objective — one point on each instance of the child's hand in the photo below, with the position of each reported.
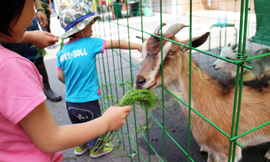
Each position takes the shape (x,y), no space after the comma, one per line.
(42,39)
(116,116)
(139,48)
(42,19)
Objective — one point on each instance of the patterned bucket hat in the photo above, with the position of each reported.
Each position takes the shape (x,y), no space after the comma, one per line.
(75,18)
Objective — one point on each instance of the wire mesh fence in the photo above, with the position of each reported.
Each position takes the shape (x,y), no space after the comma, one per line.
(164,133)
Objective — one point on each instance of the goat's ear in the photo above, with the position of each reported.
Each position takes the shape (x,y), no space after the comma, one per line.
(139,37)
(234,47)
(197,41)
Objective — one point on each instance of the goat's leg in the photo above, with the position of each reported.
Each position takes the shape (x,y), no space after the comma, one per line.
(238,154)
(202,150)
(221,156)
(211,157)
(214,157)
(267,156)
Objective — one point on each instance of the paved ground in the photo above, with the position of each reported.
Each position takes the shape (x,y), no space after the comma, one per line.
(176,123)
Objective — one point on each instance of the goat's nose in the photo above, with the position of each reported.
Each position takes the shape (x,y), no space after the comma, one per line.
(214,66)
(140,81)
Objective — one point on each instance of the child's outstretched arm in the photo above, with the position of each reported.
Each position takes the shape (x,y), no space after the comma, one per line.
(123,45)
(41,39)
(48,137)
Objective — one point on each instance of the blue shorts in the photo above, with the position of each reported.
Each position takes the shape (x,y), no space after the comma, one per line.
(83,112)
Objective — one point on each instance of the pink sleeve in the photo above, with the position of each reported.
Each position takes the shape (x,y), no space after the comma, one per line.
(103,46)
(21,89)
(58,68)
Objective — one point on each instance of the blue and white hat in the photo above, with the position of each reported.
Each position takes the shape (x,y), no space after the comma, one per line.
(75,18)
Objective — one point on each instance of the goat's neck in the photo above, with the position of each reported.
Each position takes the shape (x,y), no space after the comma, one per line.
(180,86)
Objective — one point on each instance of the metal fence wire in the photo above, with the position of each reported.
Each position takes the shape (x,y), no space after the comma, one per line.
(164,133)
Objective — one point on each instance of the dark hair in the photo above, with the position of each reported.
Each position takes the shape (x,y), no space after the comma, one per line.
(10,11)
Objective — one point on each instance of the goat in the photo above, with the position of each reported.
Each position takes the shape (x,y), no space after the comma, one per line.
(224,65)
(260,65)
(213,99)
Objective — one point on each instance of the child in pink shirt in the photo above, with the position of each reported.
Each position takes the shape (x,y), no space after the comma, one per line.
(28,132)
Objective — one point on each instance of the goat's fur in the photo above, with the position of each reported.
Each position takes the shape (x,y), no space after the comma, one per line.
(213,99)
(260,66)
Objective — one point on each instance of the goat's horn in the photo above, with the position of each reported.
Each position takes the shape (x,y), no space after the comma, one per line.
(174,29)
(234,46)
(158,28)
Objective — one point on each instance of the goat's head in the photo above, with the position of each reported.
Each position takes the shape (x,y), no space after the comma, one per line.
(229,52)
(261,51)
(149,76)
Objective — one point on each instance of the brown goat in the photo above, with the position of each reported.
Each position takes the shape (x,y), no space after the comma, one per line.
(213,99)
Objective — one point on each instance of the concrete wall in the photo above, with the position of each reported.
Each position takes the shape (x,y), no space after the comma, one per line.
(227,5)
(182,6)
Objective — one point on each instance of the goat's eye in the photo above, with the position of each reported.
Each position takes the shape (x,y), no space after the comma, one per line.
(171,52)
(231,58)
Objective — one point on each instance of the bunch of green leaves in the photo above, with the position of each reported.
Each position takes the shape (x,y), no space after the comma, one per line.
(142,97)
(39,51)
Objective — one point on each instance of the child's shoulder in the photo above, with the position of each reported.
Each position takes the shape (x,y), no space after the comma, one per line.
(94,39)
(90,39)
(6,55)
(75,43)
(80,41)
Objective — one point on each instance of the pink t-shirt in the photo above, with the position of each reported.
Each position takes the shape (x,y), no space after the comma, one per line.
(20,92)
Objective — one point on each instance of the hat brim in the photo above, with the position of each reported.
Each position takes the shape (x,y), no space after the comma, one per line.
(79,26)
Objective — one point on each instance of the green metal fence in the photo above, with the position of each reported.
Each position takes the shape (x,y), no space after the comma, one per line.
(163,134)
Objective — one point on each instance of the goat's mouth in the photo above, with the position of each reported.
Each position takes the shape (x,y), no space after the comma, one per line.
(151,86)
(216,68)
